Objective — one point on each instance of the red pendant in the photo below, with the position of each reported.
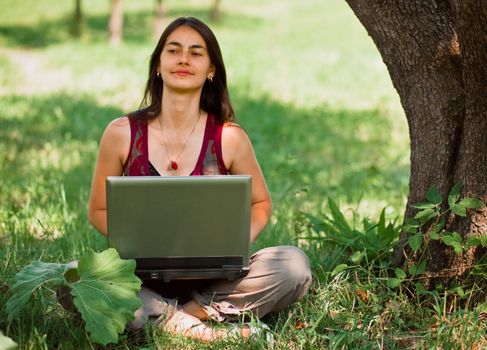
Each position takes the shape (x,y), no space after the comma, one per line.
(172,165)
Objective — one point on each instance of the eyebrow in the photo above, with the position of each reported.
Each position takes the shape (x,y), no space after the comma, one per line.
(194,46)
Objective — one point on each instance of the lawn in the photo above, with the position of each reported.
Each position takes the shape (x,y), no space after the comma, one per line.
(311,90)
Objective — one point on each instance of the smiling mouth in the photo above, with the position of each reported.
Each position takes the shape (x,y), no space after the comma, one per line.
(182,73)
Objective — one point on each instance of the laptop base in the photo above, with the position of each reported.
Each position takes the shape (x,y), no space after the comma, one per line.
(194,267)
(168,275)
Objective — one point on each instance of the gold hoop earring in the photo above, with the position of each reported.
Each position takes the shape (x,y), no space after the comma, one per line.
(210,78)
(158,74)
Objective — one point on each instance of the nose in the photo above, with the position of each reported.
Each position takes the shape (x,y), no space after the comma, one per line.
(183,57)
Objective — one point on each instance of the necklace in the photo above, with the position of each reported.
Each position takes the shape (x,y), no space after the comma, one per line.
(173,165)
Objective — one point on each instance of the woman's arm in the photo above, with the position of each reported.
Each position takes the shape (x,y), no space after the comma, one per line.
(239,158)
(114,147)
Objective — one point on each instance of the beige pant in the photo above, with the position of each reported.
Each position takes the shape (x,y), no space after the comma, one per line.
(278,276)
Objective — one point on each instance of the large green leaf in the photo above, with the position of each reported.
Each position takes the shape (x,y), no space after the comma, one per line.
(424,205)
(400,273)
(415,241)
(394,282)
(433,195)
(471,203)
(476,241)
(416,270)
(437,228)
(6,343)
(454,195)
(411,222)
(103,285)
(459,210)
(454,240)
(426,214)
(28,280)
(106,294)
(338,269)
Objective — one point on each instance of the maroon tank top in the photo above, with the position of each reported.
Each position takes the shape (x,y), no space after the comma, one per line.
(210,161)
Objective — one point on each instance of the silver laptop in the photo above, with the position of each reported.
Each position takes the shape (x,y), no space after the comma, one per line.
(181,227)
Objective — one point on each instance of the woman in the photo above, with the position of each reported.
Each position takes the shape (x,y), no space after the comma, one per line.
(186,128)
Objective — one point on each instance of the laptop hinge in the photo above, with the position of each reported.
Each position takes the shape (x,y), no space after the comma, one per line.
(194,262)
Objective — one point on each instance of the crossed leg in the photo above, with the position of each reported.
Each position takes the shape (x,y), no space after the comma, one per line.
(190,321)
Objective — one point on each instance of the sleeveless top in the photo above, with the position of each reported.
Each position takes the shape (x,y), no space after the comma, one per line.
(210,160)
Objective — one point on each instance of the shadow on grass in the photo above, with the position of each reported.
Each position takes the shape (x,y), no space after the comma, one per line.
(34,120)
(43,134)
(49,148)
(310,155)
(137,27)
(340,152)
(337,153)
(50,145)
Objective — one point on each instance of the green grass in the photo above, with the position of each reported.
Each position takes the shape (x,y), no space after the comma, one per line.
(311,90)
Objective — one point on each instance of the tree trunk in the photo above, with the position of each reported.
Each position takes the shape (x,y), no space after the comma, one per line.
(436,55)
(215,11)
(77,20)
(159,19)
(116,23)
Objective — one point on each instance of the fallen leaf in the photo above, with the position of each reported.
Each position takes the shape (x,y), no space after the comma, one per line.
(364,295)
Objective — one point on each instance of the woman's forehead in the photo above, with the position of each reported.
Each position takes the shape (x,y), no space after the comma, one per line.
(186,36)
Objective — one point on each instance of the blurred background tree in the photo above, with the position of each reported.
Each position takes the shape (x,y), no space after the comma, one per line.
(215,11)
(78,19)
(159,19)
(115,25)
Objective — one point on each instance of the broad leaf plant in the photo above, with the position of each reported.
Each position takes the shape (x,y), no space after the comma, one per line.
(103,286)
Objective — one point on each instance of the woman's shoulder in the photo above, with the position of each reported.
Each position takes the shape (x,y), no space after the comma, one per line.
(118,130)
(230,124)
(233,129)
(234,136)
(119,124)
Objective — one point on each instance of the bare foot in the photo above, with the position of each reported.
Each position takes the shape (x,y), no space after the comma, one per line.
(187,325)
(194,309)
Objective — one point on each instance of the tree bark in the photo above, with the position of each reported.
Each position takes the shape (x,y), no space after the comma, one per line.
(436,55)
(115,24)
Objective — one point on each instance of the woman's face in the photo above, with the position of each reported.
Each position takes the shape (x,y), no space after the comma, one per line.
(184,63)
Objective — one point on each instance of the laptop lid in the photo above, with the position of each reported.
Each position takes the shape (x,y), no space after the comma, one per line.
(181,227)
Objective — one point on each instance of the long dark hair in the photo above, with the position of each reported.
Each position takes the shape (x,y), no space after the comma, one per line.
(214,97)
